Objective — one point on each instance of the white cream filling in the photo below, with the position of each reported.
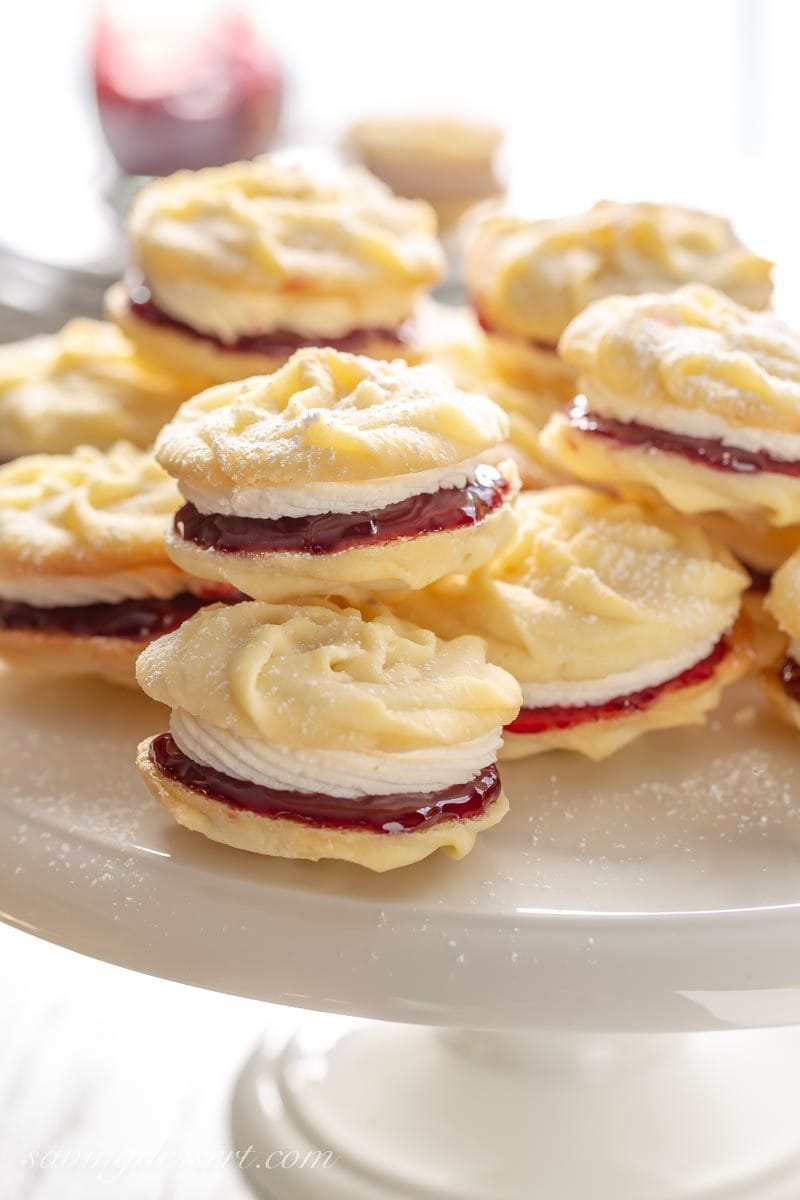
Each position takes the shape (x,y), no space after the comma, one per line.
(57,591)
(341,773)
(312,499)
(691,423)
(599,691)
(229,314)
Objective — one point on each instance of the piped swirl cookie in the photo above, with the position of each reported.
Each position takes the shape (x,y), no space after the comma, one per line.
(325,732)
(689,396)
(237,267)
(529,279)
(85,580)
(337,475)
(85,385)
(615,619)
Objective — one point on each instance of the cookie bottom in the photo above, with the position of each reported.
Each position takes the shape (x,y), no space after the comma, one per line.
(649,473)
(52,654)
(687,706)
(281,837)
(392,566)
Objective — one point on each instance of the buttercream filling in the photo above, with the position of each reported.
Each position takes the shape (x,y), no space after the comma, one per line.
(709,452)
(689,422)
(133,620)
(327,533)
(60,591)
(600,691)
(343,773)
(271,341)
(313,499)
(382,814)
(559,716)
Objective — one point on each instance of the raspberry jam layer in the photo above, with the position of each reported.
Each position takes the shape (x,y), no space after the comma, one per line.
(134,620)
(278,342)
(709,452)
(327,533)
(399,813)
(790,678)
(543,720)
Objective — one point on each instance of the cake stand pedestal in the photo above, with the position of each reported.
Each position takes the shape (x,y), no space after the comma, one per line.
(414,1113)
(627,941)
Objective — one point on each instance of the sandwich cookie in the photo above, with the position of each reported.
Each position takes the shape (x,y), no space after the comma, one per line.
(337,475)
(690,397)
(318,731)
(615,620)
(236,267)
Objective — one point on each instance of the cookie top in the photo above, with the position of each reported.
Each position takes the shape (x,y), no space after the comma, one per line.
(83,385)
(323,676)
(85,512)
(783,600)
(325,418)
(593,588)
(530,278)
(693,361)
(267,227)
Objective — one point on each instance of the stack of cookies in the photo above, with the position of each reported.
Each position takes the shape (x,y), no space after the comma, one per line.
(344,600)
(313,720)
(693,401)
(234,268)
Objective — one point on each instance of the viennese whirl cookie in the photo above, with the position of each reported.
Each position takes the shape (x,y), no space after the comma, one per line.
(236,267)
(614,618)
(85,385)
(337,475)
(688,396)
(85,581)
(317,731)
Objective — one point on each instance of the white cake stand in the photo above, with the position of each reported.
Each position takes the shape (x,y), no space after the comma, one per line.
(627,942)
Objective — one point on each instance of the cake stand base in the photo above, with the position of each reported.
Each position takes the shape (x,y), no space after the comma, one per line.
(391,1112)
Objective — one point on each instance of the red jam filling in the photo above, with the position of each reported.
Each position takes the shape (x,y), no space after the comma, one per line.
(790,678)
(378,814)
(280,342)
(710,452)
(327,533)
(134,620)
(543,720)
(760,581)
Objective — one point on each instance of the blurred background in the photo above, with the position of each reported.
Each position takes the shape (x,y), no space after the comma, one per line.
(692,102)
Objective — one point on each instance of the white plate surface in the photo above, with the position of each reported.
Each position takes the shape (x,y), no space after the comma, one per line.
(659,890)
